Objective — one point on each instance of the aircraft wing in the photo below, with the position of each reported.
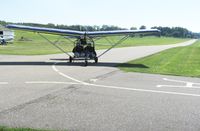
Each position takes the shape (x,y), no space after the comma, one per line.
(122,32)
(80,33)
(46,30)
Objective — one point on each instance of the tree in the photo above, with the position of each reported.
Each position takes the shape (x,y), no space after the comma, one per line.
(143,27)
(133,28)
(3,23)
(176,32)
(51,25)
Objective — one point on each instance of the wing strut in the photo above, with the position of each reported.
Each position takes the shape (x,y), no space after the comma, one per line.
(54,44)
(117,43)
(109,41)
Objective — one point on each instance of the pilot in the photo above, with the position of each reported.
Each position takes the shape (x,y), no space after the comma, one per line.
(83,41)
(90,51)
(78,50)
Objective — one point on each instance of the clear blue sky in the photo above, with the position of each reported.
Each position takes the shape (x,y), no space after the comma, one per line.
(123,13)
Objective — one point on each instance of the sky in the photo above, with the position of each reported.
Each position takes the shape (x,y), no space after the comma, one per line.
(122,13)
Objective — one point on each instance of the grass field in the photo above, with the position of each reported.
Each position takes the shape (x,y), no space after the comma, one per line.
(182,61)
(36,45)
(2,128)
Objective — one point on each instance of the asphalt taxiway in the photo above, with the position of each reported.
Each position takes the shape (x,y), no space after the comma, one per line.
(49,93)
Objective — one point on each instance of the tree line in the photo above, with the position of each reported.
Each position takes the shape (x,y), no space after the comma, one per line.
(178,32)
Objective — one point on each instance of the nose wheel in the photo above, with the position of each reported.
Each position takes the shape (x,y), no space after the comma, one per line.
(86,62)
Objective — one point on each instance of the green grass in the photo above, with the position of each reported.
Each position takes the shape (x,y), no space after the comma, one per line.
(38,46)
(35,45)
(181,61)
(2,128)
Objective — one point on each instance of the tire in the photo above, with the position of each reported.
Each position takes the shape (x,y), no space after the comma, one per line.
(86,62)
(96,59)
(70,59)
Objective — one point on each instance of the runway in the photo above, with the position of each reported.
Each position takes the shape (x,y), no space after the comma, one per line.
(49,93)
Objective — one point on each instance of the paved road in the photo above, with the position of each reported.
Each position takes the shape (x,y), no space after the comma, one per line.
(46,92)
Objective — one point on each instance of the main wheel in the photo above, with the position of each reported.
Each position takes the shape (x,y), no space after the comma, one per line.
(70,59)
(96,59)
(86,62)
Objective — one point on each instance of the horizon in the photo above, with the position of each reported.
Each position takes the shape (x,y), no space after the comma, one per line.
(124,14)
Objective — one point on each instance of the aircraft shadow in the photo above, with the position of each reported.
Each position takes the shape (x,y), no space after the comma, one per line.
(108,64)
(64,63)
